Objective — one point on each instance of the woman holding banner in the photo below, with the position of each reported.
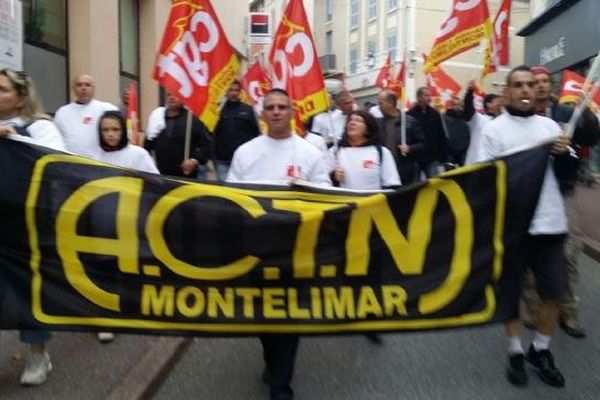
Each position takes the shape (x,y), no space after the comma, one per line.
(22,118)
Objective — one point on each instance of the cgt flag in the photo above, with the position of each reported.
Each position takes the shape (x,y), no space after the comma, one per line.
(572,89)
(384,77)
(86,245)
(195,61)
(133,119)
(468,23)
(295,65)
(256,83)
(443,88)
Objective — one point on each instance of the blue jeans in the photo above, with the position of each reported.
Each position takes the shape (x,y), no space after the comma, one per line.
(222,170)
(201,172)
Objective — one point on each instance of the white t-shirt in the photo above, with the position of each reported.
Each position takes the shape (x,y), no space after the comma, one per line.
(330,125)
(362,169)
(78,124)
(376,112)
(506,133)
(268,160)
(130,156)
(156,123)
(43,133)
(476,125)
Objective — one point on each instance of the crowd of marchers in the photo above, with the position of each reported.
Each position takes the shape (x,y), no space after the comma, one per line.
(377,146)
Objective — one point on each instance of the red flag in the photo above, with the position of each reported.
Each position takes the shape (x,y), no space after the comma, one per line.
(194,56)
(256,82)
(133,119)
(442,87)
(295,65)
(501,23)
(478,99)
(468,23)
(385,76)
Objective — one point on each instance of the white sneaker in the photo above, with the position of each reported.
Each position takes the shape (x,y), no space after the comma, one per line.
(36,370)
(106,337)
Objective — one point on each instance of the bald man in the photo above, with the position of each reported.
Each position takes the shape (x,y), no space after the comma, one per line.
(78,120)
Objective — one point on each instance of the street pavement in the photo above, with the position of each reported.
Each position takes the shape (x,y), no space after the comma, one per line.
(460,364)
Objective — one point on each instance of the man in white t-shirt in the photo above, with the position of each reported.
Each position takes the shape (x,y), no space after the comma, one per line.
(280,156)
(331,124)
(78,120)
(517,127)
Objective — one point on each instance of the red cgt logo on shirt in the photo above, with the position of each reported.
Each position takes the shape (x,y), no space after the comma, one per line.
(369,164)
(88,120)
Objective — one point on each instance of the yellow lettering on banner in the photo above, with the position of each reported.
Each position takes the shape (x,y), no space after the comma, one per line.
(294,310)
(184,295)
(316,304)
(274,303)
(225,304)
(460,265)
(368,303)
(339,305)
(394,300)
(248,295)
(311,216)
(125,247)
(160,213)
(158,303)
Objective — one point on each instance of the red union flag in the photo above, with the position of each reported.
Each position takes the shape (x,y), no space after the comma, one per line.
(294,63)
(133,119)
(194,56)
(501,23)
(384,76)
(442,87)
(465,27)
(256,83)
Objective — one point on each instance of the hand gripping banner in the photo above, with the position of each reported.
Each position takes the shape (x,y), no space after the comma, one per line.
(88,246)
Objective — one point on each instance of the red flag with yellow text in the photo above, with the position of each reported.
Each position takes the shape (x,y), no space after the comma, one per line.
(295,64)
(384,77)
(468,23)
(256,83)
(196,62)
(442,87)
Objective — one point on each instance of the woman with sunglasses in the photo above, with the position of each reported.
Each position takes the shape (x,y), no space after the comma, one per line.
(22,118)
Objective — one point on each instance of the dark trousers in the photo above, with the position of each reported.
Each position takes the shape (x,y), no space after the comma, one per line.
(279,352)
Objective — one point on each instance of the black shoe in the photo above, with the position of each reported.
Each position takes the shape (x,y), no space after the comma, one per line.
(573,331)
(266,377)
(544,363)
(515,372)
(374,338)
(283,393)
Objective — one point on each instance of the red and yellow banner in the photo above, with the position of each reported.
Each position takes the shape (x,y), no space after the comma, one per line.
(196,62)
(468,23)
(295,64)
(133,116)
(443,88)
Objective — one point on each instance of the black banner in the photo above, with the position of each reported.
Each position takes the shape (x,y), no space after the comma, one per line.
(87,246)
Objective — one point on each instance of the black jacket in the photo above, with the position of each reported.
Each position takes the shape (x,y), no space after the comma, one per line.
(237,125)
(169,145)
(459,137)
(435,137)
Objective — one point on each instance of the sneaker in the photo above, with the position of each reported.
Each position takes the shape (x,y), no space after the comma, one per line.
(544,363)
(36,370)
(572,327)
(106,337)
(515,372)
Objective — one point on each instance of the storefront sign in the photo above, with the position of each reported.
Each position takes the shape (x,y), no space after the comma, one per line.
(549,54)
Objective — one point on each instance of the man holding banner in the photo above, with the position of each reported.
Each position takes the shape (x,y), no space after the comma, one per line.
(280,156)
(516,128)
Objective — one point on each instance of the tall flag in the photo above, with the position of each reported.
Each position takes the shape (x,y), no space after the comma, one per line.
(396,84)
(468,23)
(194,56)
(133,115)
(256,83)
(442,86)
(385,74)
(501,23)
(295,65)
(572,89)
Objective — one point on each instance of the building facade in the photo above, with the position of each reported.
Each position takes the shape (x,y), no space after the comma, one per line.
(115,41)
(354,37)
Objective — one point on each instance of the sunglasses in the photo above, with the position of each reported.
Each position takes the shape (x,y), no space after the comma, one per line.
(272,107)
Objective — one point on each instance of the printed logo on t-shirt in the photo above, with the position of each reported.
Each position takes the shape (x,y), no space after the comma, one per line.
(293,171)
(88,120)
(369,164)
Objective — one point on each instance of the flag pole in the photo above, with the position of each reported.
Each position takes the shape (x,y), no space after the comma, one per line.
(592,76)
(188,136)
(403,88)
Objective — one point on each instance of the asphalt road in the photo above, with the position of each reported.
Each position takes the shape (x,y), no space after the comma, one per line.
(462,364)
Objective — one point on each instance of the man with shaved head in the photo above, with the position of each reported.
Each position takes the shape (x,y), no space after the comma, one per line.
(78,120)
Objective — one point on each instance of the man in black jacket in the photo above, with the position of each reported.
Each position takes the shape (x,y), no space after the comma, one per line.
(586,133)
(458,132)
(166,138)
(435,138)
(237,125)
(406,154)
